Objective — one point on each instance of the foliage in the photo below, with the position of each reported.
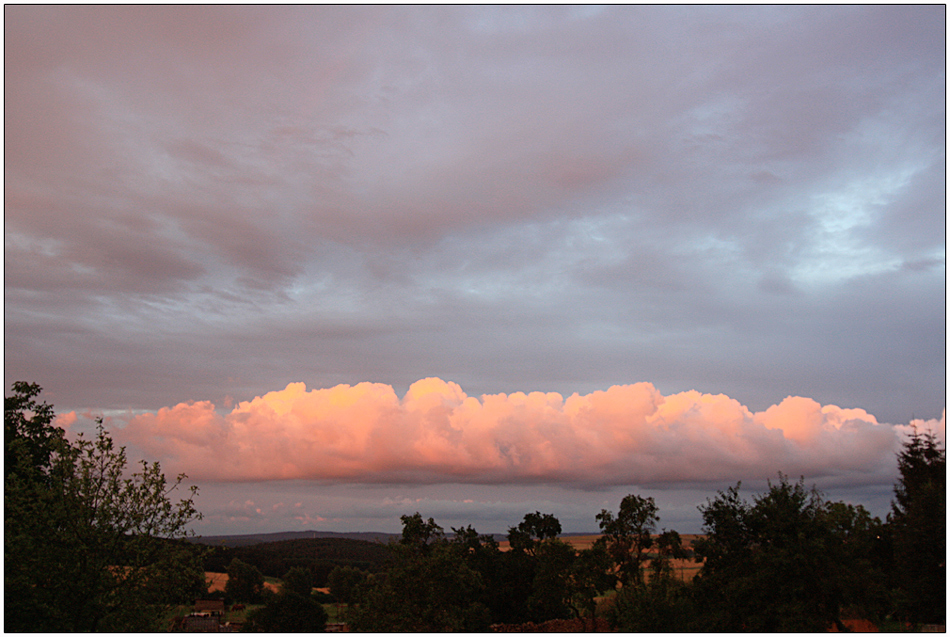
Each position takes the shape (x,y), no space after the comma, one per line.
(419,534)
(591,575)
(534,529)
(345,583)
(86,548)
(919,528)
(663,604)
(507,585)
(660,605)
(299,580)
(537,564)
(245,583)
(429,587)
(433,593)
(551,592)
(319,555)
(787,562)
(30,439)
(861,551)
(287,612)
(627,536)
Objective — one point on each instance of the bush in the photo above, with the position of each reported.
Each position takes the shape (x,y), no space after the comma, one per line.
(287,612)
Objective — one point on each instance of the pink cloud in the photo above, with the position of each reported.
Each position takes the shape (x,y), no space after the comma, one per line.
(66,420)
(627,434)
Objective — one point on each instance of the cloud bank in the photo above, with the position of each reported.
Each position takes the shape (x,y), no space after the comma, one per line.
(627,434)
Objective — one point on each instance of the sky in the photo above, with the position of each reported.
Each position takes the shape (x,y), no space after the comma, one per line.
(343,264)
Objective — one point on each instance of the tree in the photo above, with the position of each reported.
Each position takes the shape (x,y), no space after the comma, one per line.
(86,548)
(661,604)
(534,529)
(287,612)
(428,588)
(29,437)
(551,591)
(299,580)
(627,536)
(780,564)
(590,577)
(418,534)
(918,525)
(245,582)
(345,582)
(862,551)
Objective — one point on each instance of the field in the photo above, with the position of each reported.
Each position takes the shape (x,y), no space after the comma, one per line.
(217,582)
(686,569)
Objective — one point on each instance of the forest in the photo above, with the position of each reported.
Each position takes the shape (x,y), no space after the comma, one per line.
(89,548)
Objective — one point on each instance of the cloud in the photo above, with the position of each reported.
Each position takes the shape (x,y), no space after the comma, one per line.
(627,434)
(65,421)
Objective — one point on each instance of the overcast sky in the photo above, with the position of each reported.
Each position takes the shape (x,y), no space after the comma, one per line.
(339,264)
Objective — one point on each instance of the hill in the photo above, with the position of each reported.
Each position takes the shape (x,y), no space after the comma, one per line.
(319,555)
(234,541)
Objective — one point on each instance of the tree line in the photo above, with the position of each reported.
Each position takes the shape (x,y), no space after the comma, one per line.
(788,560)
(318,555)
(88,548)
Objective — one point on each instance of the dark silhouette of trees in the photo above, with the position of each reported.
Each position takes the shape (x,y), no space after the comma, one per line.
(532,531)
(591,575)
(245,583)
(418,535)
(287,612)
(428,588)
(319,555)
(627,536)
(345,582)
(86,547)
(918,527)
(299,580)
(787,562)
(861,552)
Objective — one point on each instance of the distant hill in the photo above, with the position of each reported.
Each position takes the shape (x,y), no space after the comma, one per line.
(234,541)
(274,557)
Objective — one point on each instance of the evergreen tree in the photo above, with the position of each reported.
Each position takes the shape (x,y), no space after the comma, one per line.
(918,525)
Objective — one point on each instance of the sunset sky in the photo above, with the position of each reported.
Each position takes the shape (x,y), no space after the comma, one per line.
(341,264)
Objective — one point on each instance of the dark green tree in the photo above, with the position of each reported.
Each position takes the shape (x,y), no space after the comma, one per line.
(29,437)
(590,576)
(299,579)
(532,530)
(287,612)
(780,564)
(345,583)
(245,582)
(862,550)
(627,536)
(429,587)
(918,526)
(86,546)
(551,591)
(661,604)
(419,534)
